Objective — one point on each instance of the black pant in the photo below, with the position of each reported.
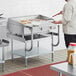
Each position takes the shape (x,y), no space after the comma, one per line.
(69,38)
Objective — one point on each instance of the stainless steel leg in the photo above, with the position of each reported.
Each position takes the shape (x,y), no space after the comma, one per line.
(25,55)
(60,74)
(12,57)
(38,44)
(52,54)
(53,45)
(3,67)
(25,62)
(38,47)
(3,64)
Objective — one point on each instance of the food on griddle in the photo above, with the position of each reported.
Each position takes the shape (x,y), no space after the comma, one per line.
(25,21)
(30,21)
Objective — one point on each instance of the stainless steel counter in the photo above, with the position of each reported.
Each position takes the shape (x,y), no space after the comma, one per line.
(64,68)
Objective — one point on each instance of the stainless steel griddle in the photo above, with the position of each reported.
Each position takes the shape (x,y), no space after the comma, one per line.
(32,27)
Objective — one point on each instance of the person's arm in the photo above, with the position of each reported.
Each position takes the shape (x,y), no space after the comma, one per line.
(57,14)
(68,12)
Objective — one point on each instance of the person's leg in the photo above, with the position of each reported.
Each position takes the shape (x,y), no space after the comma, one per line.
(69,38)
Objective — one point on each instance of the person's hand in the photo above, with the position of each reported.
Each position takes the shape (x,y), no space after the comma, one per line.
(57,22)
